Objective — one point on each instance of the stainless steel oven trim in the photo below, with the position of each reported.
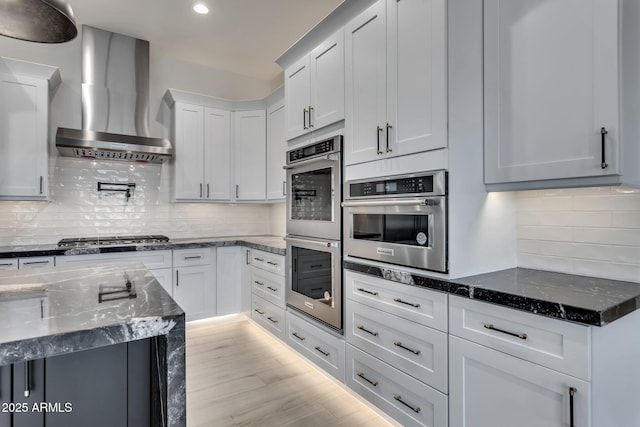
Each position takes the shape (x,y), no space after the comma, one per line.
(332,316)
(439,186)
(337,149)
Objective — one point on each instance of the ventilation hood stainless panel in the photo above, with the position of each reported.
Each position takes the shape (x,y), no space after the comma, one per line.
(115,102)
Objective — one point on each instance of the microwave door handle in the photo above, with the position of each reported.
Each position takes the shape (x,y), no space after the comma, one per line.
(411,202)
(332,157)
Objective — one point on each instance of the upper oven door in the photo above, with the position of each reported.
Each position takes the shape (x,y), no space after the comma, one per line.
(314,197)
(410,232)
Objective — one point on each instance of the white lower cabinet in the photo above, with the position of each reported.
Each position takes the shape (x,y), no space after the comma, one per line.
(493,389)
(263,278)
(321,347)
(269,316)
(194,285)
(407,400)
(8,264)
(228,279)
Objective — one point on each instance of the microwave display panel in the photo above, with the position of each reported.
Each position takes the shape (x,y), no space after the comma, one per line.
(404,186)
(412,230)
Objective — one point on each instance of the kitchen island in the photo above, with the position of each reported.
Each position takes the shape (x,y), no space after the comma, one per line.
(52,312)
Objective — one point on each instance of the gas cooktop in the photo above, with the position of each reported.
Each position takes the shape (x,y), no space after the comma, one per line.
(111,241)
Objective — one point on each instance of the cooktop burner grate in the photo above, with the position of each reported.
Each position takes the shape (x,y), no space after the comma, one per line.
(111,240)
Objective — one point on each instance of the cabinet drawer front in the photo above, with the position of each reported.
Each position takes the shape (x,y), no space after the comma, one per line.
(404,398)
(410,347)
(36,262)
(266,261)
(420,305)
(268,286)
(553,343)
(268,316)
(186,257)
(151,259)
(490,388)
(8,264)
(317,345)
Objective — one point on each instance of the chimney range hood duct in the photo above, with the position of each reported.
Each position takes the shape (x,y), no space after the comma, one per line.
(115,102)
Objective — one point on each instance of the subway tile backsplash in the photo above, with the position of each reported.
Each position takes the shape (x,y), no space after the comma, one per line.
(76,208)
(585,231)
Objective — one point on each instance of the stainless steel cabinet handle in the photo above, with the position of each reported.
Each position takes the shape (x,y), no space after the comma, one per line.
(237,190)
(368,292)
(6,264)
(41,185)
(572,391)
(193,257)
(373,383)
(275,264)
(207,190)
(259,283)
(259,259)
(513,334)
(260,312)
(399,344)
(415,409)
(272,289)
(362,328)
(379,129)
(177,278)
(325,353)
(407,303)
(201,190)
(247,255)
(295,334)
(284,188)
(304,119)
(272,319)
(310,110)
(27,378)
(604,164)
(388,127)
(36,262)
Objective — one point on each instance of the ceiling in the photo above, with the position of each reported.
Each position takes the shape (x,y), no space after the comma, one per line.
(238,36)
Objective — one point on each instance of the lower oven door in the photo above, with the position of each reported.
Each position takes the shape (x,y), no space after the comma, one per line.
(314,278)
(410,232)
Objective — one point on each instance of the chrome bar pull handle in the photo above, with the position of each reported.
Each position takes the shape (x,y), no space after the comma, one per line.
(310,110)
(247,255)
(415,409)
(177,278)
(272,320)
(237,190)
(372,382)
(27,378)
(399,344)
(406,302)
(201,190)
(362,328)
(272,289)
(388,127)
(259,259)
(275,264)
(378,139)
(193,257)
(572,391)
(295,334)
(35,262)
(284,188)
(325,353)
(41,185)
(260,312)
(304,119)
(604,164)
(375,294)
(207,190)
(259,283)
(513,334)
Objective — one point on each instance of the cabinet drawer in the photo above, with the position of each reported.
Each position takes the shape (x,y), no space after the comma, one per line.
(151,259)
(553,343)
(410,347)
(420,305)
(8,264)
(268,286)
(267,261)
(268,316)
(187,257)
(319,346)
(36,262)
(404,398)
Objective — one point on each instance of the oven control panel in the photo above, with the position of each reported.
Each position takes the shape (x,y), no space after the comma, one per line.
(408,185)
(327,146)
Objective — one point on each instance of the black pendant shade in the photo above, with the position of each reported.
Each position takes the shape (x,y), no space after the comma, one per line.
(42,21)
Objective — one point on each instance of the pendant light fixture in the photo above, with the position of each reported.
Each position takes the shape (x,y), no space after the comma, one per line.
(42,21)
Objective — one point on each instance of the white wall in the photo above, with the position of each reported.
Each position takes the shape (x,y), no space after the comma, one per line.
(586,231)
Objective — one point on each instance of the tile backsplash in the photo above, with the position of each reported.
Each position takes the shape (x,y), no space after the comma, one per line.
(75,207)
(585,231)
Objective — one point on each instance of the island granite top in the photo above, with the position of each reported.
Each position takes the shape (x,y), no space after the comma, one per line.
(586,300)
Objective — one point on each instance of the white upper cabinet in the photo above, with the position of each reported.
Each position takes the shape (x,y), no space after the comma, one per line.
(217,145)
(276,152)
(250,154)
(396,80)
(24,128)
(314,88)
(552,91)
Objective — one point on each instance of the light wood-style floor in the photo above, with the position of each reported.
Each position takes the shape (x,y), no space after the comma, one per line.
(239,375)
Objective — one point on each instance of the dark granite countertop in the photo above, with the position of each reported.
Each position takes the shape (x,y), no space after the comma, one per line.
(267,243)
(51,311)
(586,300)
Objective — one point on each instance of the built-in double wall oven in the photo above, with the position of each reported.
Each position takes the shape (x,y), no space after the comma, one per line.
(398,220)
(314,229)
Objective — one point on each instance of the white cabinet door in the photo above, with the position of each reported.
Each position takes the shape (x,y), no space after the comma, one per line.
(490,388)
(164,276)
(365,81)
(250,155)
(189,160)
(276,152)
(416,76)
(297,95)
(24,103)
(551,85)
(327,82)
(228,280)
(194,291)
(217,145)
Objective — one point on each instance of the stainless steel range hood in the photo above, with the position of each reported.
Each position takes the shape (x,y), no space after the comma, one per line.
(115,102)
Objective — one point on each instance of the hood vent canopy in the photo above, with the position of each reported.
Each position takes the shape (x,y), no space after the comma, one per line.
(115,102)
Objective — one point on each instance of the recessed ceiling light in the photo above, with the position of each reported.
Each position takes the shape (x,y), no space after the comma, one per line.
(201,8)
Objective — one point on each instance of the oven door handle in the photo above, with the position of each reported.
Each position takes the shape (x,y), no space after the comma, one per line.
(398,202)
(333,157)
(318,243)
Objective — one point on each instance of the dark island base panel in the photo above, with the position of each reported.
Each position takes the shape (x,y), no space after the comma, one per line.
(585,300)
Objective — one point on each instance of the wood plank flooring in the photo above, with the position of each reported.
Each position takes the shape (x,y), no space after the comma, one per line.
(239,375)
